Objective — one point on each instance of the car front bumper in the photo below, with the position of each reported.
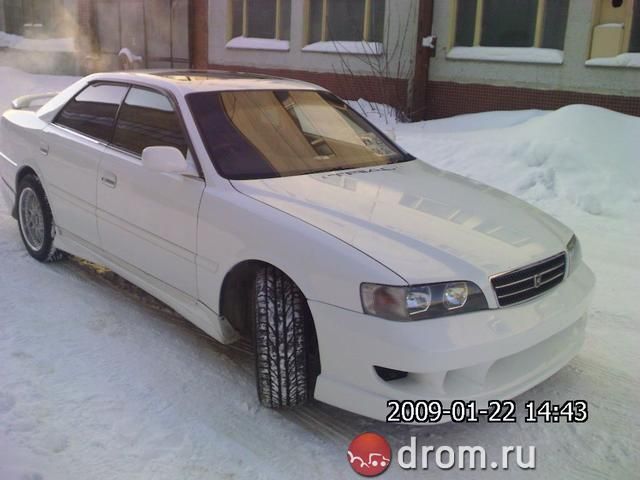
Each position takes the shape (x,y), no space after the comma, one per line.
(488,355)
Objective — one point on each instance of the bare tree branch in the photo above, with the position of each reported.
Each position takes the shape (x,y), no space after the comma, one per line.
(384,65)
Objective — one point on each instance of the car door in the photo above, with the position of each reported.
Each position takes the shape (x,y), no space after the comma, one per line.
(146,218)
(73,145)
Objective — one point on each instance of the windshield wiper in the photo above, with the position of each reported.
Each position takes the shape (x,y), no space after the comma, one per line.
(334,169)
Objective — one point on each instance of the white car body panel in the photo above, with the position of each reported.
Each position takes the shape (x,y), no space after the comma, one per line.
(69,169)
(178,236)
(487,355)
(195,311)
(429,225)
(235,228)
(133,213)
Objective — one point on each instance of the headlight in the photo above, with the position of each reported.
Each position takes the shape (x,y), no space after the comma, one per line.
(420,302)
(574,255)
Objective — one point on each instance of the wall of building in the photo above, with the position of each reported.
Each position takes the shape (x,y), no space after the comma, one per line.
(71,7)
(57,16)
(382,90)
(571,75)
(446,99)
(60,21)
(326,69)
(400,15)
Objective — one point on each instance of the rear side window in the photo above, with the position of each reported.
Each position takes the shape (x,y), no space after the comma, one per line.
(148,119)
(93,111)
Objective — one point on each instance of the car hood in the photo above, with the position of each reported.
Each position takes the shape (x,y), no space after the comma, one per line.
(425,224)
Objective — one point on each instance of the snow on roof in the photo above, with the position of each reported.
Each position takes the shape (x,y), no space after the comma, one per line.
(358,48)
(258,44)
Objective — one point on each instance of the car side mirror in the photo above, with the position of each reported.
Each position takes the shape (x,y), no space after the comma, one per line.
(164,160)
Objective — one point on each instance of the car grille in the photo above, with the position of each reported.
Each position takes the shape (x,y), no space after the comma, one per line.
(530,281)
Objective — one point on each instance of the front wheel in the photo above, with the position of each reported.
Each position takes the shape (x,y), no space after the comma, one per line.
(36,220)
(286,347)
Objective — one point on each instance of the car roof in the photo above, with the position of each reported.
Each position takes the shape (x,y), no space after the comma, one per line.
(189,81)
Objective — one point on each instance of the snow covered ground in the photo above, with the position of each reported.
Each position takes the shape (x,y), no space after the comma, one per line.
(98,380)
(18,42)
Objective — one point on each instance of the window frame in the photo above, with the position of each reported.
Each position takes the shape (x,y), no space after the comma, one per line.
(477,32)
(629,29)
(72,99)
(37,12)
(128,85)
(245,22)
(634,27)
(324,30)
(113,133)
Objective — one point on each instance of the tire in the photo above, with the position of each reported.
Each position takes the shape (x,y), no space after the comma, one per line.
(36,220)
(286,348)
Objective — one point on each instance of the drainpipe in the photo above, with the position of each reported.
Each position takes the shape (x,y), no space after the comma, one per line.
(425,49)
(199,33)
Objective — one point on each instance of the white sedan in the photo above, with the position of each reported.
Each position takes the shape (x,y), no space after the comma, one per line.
(264,207)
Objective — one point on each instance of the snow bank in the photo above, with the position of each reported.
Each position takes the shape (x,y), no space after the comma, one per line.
(385,117)
(590,153)
(382,116)
(584,155)
(20,463)
(480,121)
(376,113)
(18,42)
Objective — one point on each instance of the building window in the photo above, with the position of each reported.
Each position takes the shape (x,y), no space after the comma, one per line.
(634,40)
(36,12)
(345,20)
(511,23)
(260,19)
(32,17)
(616,28)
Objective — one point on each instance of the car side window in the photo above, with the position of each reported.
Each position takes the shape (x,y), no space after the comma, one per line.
(93,111)
(148,119)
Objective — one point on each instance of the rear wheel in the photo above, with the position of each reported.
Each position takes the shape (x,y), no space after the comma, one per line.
(36,220)
(286,348)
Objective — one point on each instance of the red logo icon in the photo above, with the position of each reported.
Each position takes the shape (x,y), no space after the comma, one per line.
(369,454)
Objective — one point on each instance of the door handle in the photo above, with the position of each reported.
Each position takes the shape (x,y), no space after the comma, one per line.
(109,179)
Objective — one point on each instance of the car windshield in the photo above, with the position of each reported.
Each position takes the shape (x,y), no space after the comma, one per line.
(278,133)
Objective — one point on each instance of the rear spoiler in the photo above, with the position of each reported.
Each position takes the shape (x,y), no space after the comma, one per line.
(24,102)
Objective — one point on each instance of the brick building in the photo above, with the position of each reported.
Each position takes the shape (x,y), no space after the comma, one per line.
(494,54)
(39,35)
(36,18)
(433,58)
